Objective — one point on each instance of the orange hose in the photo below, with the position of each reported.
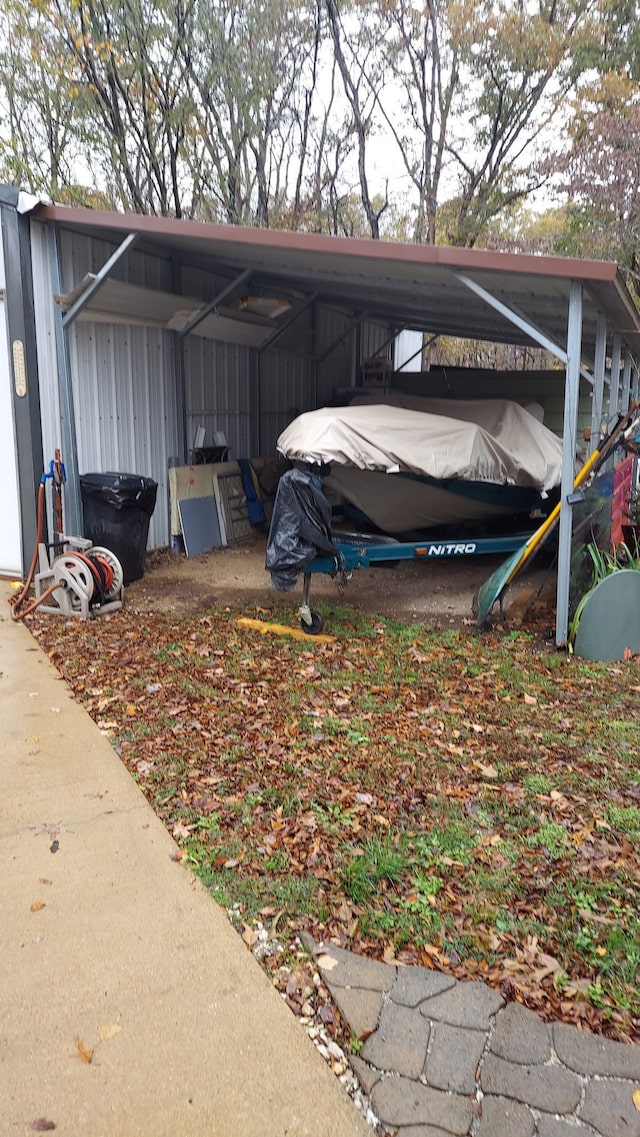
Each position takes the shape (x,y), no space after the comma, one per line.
(16,602)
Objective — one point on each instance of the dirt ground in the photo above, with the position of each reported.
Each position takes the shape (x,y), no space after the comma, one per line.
(437,592)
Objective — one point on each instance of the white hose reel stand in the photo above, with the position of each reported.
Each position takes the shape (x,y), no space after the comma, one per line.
(77,593)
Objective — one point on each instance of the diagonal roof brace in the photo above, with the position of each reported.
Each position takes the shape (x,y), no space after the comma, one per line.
(351,327)
(296,311)
(202,313)
(519,322)
(98,280)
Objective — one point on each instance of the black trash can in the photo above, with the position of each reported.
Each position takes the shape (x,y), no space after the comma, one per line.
(117,509)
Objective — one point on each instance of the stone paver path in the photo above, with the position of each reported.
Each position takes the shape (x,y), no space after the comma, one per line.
(443,1057)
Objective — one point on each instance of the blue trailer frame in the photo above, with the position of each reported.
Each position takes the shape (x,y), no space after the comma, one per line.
(360,552)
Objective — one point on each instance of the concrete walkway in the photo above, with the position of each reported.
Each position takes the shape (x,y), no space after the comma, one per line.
(447,1058)
(128,1005)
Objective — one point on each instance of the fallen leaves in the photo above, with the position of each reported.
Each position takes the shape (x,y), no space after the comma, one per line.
(42,1125)
(274,763)
(38,905)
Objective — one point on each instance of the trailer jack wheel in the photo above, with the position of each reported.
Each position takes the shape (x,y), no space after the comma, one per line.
(311,621)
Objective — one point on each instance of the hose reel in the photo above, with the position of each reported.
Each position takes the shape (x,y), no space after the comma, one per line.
(86,580)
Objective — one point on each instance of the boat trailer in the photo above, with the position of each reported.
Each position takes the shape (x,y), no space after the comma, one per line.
(354,551)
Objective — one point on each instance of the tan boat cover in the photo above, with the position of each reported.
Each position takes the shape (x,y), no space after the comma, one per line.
(484,440)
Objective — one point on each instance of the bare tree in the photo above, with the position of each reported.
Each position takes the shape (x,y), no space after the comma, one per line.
(359,64)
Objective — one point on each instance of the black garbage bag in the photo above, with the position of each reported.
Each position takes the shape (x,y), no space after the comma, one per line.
(300,527)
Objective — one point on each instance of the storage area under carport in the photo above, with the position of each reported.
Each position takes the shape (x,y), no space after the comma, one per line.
(140,331)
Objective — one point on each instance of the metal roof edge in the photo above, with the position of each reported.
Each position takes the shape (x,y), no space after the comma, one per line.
(445,256)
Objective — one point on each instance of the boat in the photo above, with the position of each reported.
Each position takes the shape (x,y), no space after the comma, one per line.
(410,464)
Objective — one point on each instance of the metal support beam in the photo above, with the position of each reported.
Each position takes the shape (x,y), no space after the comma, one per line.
(390,339)
(211,306)
(518,321)
(74,522)
(351,327)
(598,380)
(635,383)
(178,347)
(98,280)
(296,311)
(570,430)
(614,386)
(626,382)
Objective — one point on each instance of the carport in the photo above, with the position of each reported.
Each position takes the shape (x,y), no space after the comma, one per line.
(125,333)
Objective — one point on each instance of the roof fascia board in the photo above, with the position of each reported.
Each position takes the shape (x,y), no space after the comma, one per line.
(445,256)
(524,325)
(202,313)
(99,279)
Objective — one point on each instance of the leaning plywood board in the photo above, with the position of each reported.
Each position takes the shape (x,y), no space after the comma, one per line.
(200,525)
(197,481)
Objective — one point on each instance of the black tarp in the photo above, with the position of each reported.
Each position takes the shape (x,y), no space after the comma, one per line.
(300,527)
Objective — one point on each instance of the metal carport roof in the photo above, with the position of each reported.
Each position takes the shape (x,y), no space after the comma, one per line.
(424,287)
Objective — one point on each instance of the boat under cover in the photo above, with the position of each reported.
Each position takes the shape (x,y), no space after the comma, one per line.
(410,463)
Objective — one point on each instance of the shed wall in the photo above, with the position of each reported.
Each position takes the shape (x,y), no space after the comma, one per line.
(123,378)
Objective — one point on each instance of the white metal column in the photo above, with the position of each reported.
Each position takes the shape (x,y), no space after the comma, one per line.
(571,398)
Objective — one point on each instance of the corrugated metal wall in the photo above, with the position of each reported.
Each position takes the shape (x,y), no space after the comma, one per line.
(123,378)
(341,367)
(287,388)
(219,393)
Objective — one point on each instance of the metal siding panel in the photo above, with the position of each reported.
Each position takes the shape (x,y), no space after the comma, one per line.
(126,407)
(218,392)
(286,390)
(82,254)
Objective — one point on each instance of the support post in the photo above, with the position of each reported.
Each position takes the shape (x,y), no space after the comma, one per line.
(626,382)
(598,380)
(570,429)
(614,387)
(68,442)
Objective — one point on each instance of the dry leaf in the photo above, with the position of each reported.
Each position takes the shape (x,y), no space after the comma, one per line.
(636,1098)
(487,771)
(131,710)
(530,700)
(42,1125)
(108,1031)
(37,905)
(84,1053)
(326,962)
(249,935)
(181,830)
